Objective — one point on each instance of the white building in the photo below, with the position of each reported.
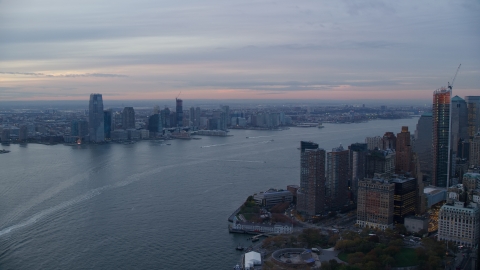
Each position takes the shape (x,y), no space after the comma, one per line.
(252,259)
(277,228)
(459,223)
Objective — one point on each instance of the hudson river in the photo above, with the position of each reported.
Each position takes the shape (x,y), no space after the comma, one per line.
(147,205)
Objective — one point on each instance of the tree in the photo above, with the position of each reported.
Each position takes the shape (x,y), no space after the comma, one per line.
(400,228)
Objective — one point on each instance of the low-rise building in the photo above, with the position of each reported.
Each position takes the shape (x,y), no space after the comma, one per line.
(415,224)
(273,197)
(252,227)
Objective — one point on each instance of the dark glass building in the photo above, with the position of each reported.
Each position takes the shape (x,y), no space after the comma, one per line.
(179,111)
(404,199)
(107,121)
(95,118)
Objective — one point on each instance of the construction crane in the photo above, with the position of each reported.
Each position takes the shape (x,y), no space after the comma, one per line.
(181,91)
(450,85)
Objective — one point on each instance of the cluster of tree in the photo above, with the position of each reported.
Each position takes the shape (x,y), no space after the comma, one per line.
(250,210)
(367,252)
(280,207)
(431,255)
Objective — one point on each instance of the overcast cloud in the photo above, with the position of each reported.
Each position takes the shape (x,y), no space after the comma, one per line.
(238,49)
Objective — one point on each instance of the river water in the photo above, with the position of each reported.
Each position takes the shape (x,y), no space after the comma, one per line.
(147,205)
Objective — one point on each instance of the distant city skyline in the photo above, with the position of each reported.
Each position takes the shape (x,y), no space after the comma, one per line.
(317,50)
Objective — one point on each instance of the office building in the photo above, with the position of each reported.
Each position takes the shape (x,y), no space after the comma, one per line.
(337,178)
(96,128)
(226,110)
(128,118)
(473,111)
(375,203)
(458,220)
(23,133)
(179,111)
(459,122)
(403,153)
(423,145)
(311,194)
(156,109)
(474,152)
(74,128)
(155,123)
(108,123)
(83,130)
(441,134)
(358,155)
(405,197)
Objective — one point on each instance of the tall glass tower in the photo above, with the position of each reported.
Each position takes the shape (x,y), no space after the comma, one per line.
(441,135)
(96,127)
(179,112)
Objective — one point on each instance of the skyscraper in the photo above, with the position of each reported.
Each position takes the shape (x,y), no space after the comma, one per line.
(404,152)
(473,107)
(357,165)
(128,118)
(441,135)
(108,123)
(95,118)
(311,194)
(459,122)
(423,145)
(337,178)
(198,114)
(179,111)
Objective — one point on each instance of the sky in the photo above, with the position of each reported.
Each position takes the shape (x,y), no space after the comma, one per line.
(212,49)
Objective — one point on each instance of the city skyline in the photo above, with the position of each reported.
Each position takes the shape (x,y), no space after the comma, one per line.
(237,50)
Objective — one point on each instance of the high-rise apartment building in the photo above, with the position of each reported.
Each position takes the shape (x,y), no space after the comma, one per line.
(403,153)
(311,194)
(441,135)
(379,161)
(389,141)
(375,203)
(95,118)
(357,160)
(179,111)
(337,178)
(374,142)
(128,118)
